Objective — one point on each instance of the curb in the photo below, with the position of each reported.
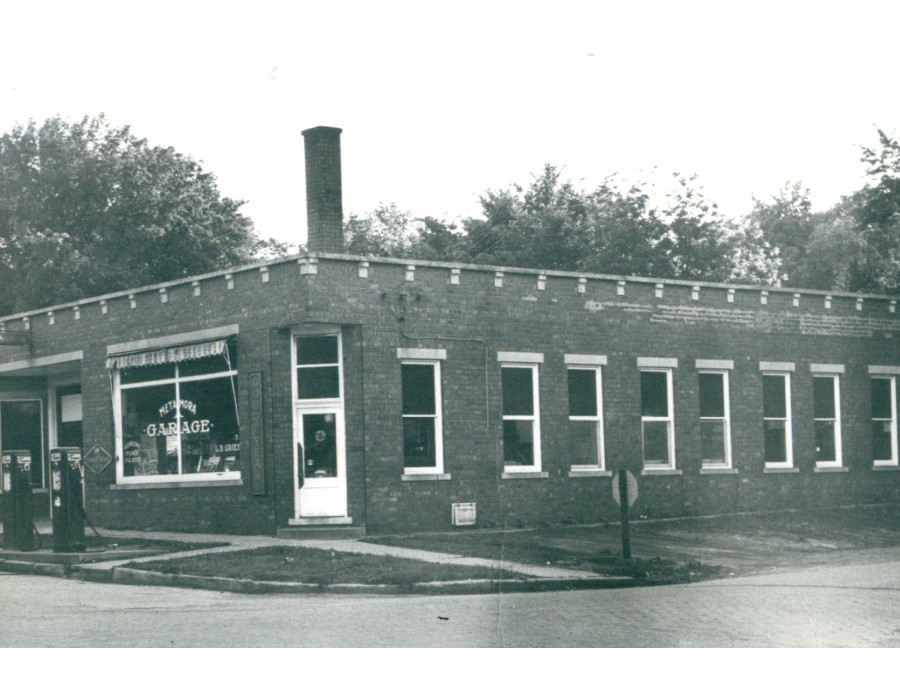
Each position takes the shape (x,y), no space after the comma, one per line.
(127,575)
(43,568)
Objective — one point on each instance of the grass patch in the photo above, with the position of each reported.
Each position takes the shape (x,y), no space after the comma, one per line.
(313,566)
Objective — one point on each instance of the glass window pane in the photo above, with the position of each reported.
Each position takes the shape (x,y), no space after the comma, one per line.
(320,451)
(654,394)
(774,402)
(153,372)
(149,429)
(418,389)
(517,391)
(881,398)
(418,442)
(518,443)
(823,397)
(210,440)
(776,441)
(319,349)
(21,425)
(584,443)
(881,441)
(318,382)
(825,444)
(206,365)
(583,392)
(712,441)
(712,395)
(656,443)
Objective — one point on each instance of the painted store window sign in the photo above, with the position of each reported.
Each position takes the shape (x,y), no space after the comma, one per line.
(180,419)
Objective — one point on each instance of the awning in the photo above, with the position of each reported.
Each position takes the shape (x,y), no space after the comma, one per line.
(168,355)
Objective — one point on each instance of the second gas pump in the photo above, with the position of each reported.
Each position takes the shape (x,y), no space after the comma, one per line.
(67,499)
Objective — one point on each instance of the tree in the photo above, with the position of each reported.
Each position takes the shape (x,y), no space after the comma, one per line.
(786,223)
(87,208)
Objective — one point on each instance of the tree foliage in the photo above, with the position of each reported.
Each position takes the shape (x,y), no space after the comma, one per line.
(88,208)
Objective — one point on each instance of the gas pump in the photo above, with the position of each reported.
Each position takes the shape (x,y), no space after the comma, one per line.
(67,499)
(18,504)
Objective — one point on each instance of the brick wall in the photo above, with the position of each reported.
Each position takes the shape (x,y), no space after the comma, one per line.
(383,308)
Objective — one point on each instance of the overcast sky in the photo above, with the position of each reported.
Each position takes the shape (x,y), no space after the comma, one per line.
(438,108)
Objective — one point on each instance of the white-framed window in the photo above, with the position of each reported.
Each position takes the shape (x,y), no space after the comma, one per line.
(827,417)
(521,422)
(176,415)
(317,360)
(423,446)
(585,388)
(884,420)
(778,443)
(715,419)
(657,419)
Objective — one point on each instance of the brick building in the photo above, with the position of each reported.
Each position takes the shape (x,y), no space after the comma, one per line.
(396,395)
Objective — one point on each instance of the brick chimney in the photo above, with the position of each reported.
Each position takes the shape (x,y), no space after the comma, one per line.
(324,210)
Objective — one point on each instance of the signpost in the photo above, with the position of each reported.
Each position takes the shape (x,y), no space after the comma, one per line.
(625,494)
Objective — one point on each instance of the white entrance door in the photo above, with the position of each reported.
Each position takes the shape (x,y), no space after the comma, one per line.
(320,471)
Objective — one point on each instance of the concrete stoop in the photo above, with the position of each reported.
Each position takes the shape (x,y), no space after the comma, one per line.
(320,531)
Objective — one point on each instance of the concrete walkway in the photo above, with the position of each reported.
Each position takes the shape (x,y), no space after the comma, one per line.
(238,543)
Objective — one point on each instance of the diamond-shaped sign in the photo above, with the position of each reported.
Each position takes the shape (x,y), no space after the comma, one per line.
(97,459)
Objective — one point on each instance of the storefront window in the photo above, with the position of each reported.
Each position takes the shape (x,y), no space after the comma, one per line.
(180,419)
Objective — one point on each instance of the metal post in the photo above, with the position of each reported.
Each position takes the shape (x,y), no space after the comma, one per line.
(623,508)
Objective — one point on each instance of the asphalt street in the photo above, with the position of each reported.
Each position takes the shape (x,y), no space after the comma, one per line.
(853,605)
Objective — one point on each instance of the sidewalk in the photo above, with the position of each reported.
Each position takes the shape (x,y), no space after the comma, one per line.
(88,566)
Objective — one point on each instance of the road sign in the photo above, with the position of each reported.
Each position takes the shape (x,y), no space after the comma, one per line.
(97,459)
(632,484)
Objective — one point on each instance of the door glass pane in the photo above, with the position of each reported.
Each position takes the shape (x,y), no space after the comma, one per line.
(881,440)
(583,392)
(712,441)
(418,442)
(654,394)
(518,443)
(583,443)
(320,446)
(823,397)
(776,441)
(774,403)
(418,389)
(318,382)
(656,443)
(517,391)
(825,444)
(712,395)
(21,425)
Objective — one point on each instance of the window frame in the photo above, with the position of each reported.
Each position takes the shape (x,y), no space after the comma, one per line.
(296,367)
(725,420)
(41,456)
(534,418)
(437,416)
(167,478)
(892,379)
(787,419)
(597,369)
(836,420)
(669,419)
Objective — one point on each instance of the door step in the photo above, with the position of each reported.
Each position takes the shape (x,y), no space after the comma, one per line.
(321,527)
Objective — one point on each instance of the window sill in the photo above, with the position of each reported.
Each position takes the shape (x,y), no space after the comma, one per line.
(589,473)
(719,471)
(662,471)
(230,482)
(424,476)
(831,469)
(886,467)
(513,475)
(778,469)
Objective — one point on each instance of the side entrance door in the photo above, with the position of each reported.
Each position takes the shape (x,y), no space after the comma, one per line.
(320,470)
